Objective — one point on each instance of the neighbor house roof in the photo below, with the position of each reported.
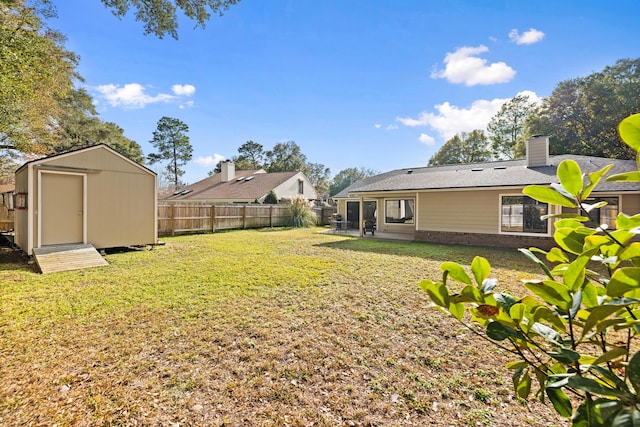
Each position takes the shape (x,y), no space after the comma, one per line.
(505,173)
(246,185)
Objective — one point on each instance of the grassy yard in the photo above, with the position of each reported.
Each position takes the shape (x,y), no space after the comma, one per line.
(252,328)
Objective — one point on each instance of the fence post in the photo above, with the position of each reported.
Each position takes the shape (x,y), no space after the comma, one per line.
(213,218)
(244,217)
(171,220)
(271,216)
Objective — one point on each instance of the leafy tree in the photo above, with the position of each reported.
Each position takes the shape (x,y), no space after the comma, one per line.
(576,333)
(463,148)
(36,72)
(250,154)
(581,114)
(160,16)
(285,157)
(506,128)
(348,176)
(318,174)
(271,198)
(172,142)
(80,127)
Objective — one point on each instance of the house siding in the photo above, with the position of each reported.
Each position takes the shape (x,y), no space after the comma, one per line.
(474,211)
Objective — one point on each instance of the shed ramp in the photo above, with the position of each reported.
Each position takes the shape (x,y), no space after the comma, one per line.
(54,258)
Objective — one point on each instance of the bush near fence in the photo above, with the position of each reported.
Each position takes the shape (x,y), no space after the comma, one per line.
(196,217)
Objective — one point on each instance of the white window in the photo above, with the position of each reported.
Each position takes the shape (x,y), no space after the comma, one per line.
(399,211)
(522,214)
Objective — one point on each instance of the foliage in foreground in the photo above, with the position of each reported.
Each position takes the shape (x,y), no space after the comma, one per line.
(577,335)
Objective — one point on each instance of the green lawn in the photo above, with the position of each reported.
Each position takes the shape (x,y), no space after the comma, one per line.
(258,328)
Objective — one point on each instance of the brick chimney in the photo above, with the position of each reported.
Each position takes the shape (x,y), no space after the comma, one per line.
(228,170)
(538,151)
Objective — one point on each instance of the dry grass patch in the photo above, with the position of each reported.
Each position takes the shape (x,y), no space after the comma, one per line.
(260,328)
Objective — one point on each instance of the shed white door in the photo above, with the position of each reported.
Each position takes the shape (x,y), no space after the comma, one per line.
(61,209)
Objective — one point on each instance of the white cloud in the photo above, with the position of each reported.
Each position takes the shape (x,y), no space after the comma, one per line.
(427,140)
(131,95)
(528,37)
(391,127)
(209,161)
(187,104)
(377,126)
(135,96)
(186,90)
(464,66)
(449,120)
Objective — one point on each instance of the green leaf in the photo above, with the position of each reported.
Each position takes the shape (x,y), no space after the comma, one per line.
(570,177)
(626,222)
(523,387)
(488,285)
(597,315)
(623,280)
(627,416)
(631,251)
(564,355)
(592,386)
(480,268)
(560,402)
(625,177)
(574,276)
(548,195)
(556,255)
(610,355)
(572,240)
(457,310)
(499,332)
(629,130)
(506,301)
(437,292)
(633,372)
(551,292)
(594,179)
(546,332)
(456,271)
(529,254)
(470,294)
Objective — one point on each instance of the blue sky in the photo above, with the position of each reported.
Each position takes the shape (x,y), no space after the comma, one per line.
(355,83)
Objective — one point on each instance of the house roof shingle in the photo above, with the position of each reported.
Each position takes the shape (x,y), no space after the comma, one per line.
(505,173)
(258,184)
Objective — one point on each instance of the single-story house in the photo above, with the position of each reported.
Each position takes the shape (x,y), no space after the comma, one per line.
(246,186)
(480,203)
(94,195)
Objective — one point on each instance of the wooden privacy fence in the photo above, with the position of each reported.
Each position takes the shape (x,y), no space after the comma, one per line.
(181,218)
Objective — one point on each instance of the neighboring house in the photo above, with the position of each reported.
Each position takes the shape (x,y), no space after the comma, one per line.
(480,203)
(94,195)
(246,186)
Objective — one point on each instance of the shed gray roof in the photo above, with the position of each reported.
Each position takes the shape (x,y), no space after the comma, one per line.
(505,173)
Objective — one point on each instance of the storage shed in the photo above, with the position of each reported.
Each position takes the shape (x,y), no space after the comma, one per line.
(93,196)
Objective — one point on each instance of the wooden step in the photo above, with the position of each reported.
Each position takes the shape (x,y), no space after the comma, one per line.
(56,258)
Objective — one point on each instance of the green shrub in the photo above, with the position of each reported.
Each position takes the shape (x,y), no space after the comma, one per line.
(576,332)
(301,213)
(271,198)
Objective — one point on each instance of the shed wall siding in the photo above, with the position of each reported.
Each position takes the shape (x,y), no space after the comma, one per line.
(121,198)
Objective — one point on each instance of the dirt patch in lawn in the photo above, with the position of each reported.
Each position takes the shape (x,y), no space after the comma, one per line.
(280,328)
